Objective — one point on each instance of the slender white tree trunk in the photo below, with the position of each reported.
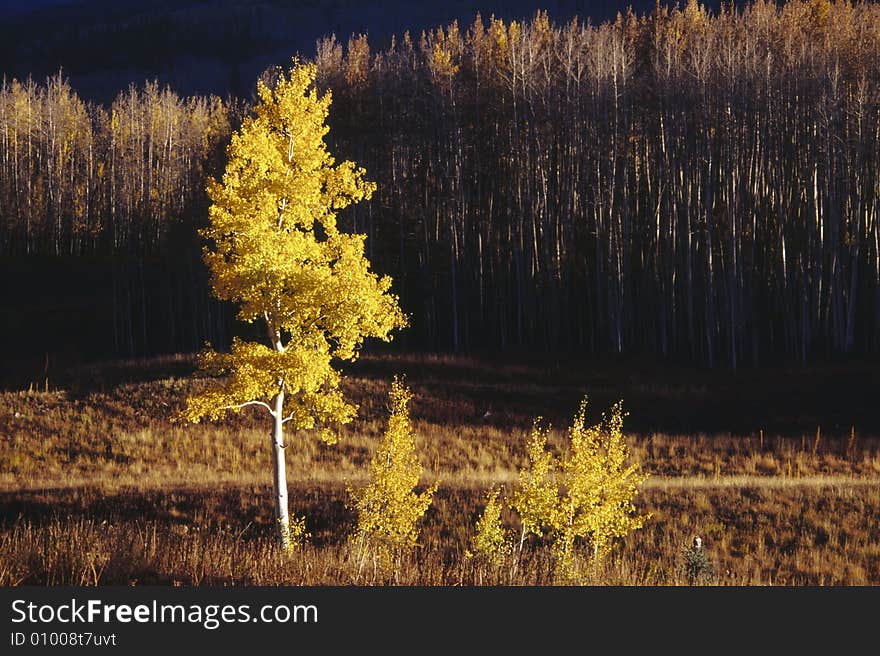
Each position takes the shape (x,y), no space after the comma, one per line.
(282,518)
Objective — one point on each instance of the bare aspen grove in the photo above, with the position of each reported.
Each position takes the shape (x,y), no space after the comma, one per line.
(680,184)
(674,184)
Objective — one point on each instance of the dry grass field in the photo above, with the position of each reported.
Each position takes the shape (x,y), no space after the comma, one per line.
(777,470)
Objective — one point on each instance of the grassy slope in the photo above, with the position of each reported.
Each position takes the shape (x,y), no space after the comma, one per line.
(141,497)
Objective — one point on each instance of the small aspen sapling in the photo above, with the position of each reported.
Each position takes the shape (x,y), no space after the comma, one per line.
(536,497)
(491,542)
(388,507)
(585,494)
(297,532)
(274,250)
(599,488)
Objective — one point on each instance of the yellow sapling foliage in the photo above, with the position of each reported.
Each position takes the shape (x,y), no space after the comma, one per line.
(298,533)
(388,508)
(586,494)
(600,487)
(535,498)
(491,541)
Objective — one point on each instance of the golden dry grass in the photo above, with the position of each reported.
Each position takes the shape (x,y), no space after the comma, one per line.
(100,484)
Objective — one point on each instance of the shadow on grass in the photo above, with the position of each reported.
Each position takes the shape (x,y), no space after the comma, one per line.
(243,511)
(510,391)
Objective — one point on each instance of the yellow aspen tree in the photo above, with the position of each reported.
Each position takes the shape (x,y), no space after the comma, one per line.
(586,493)
(491,542)
(599,486)
(388,507)
(536,497)
(273,248)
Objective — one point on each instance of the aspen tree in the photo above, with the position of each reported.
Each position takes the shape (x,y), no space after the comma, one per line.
(585,493)
(491,542)
(389,509)
(273,248)
(599,488)
(536,496)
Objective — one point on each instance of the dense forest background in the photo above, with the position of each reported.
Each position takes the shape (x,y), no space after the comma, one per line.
(203,47)
(680,183)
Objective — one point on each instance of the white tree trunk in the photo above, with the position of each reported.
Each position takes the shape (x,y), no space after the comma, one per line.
(282,518)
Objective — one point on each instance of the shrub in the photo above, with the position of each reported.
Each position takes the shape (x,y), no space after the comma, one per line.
(695,565)
(589,501)
(491,543)
(388,508)
(536,498)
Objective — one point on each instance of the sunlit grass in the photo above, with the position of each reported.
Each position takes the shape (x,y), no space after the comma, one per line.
(101,484)
(801,535)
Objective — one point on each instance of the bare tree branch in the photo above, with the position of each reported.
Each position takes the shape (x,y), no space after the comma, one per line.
(239,407)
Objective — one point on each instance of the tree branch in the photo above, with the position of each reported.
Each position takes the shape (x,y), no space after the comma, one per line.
(247,403)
